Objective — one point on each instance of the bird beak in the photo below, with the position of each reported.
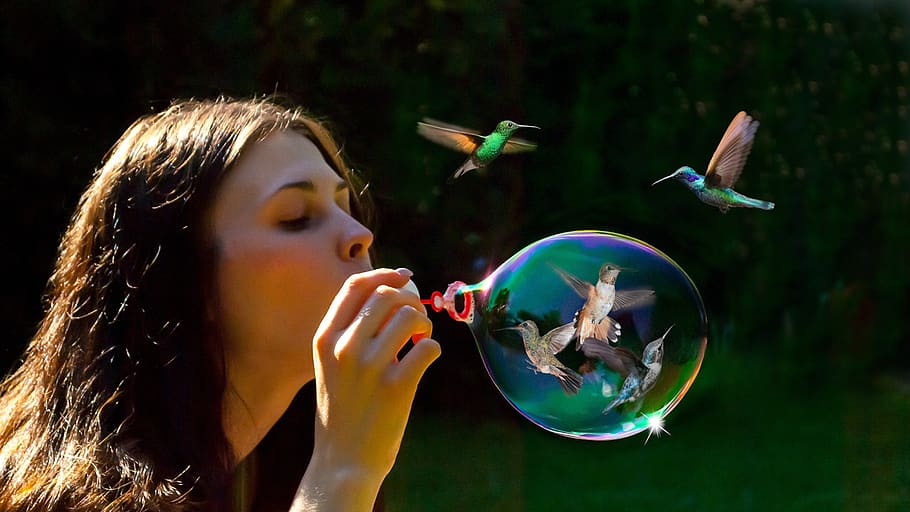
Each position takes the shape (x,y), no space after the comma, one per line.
(662,179)
(527,126)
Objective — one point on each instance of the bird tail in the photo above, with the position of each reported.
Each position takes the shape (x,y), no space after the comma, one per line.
(758,203)
(570,380)
(616,401)
(468,165)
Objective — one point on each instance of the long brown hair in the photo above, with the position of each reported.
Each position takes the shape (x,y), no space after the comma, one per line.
(117,404)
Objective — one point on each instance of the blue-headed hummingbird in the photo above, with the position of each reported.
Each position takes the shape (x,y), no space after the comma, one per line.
(483,149)
(716,186)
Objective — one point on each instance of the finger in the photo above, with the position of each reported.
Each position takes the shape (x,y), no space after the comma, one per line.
(405,322)
(414,364)
(355,292)
(379,308)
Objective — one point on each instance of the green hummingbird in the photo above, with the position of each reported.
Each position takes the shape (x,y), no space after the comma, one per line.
(482,149)
(716,186)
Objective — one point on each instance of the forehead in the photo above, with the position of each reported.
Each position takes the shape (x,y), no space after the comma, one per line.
(263,169)
(268,165)
(281,158)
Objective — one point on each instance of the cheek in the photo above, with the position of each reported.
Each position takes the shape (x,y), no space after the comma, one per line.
(271,295)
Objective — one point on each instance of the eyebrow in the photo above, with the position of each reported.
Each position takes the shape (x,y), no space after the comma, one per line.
(308,186)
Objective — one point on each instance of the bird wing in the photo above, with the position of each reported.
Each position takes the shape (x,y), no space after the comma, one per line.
(619,359)
(450,135)
(581,287)
(730,156)
(633,299)
(559,338)
(514,145)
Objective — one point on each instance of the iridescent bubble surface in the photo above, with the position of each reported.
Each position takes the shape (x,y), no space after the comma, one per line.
(602,390)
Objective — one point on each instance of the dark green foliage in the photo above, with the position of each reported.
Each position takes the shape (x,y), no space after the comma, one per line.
(625,92)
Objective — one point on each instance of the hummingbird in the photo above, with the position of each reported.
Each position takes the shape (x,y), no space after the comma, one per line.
(652,358)
(592,320)
(482,149)
(716,186)
(539,351)
(642,375)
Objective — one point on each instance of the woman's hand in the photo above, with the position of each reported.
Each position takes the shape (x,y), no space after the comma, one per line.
(363,392)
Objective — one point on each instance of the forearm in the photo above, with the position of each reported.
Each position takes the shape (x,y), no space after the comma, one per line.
(336,489)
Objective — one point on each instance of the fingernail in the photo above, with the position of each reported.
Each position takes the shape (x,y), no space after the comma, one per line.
(405,272)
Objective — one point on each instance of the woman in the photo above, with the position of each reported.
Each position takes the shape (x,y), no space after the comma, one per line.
(215,265)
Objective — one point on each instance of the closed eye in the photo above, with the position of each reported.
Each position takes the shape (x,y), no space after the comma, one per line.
(297,224)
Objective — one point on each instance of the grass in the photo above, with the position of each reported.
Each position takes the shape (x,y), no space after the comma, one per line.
(738,442)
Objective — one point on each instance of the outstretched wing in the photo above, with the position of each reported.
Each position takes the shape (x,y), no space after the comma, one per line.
(559,338)
(450,135)
(514,145)
(581,287)
(730,156)
(619,359)
(627,299)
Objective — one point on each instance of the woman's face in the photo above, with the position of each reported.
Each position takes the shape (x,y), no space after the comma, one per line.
(286,242)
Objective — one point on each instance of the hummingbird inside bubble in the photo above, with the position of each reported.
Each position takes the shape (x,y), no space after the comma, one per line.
(588,334)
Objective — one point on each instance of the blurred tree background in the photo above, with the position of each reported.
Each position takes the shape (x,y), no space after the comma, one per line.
(805,387)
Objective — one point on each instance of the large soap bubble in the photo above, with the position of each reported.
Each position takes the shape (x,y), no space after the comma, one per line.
(588,334)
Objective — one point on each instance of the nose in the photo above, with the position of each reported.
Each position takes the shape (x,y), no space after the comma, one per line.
(355,241)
